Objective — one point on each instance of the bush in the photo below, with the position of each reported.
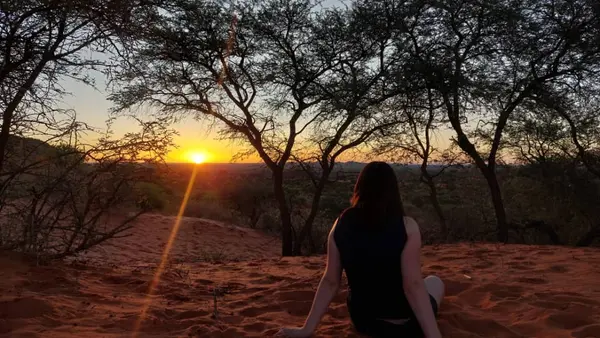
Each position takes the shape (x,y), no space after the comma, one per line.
(67,210)
(151,196)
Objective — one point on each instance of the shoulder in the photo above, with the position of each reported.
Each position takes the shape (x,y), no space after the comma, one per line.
(344,221)
(348,215)
(412,227)
(350,212)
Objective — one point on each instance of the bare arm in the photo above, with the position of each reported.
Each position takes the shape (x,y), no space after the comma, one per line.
(328,287)
(414,286)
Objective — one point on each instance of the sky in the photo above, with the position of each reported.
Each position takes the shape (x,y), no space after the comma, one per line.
(92,107)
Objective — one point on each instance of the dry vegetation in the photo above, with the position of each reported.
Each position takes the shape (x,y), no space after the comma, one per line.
(303,86)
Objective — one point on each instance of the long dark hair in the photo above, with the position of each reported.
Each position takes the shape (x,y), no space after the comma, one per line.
(377,194)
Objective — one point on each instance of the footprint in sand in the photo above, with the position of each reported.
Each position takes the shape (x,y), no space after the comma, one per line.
(450,258)
(532,280)
(569,321)
(119,280)
(235,320)
(298,286)
(253,311)
(482,327)
(491,292)
(254,327)
(483,265)
(299,295)
(558,269)
(589,331)
(544,304)
(567,298)
(480,252)
(454,288)
(297,308)
(269,279)
(521,265)
(25,308)
(505,292)
(204,282)
(178,297)
(192,314)
(519,258)
(313,266)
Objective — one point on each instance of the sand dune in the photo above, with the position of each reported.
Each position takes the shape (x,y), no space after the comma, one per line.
(493,290)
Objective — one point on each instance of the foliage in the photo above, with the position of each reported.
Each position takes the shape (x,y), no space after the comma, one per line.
(302,86)
(78,196)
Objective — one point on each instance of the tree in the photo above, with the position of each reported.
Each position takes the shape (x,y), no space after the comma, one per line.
(280,77)
(355,99)
(42,43)
(577,107)
(70,197)
(485,60)
(414,141)
(556,136)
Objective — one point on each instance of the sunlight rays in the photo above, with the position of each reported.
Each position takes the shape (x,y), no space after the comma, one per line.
(198,158)
(165,255)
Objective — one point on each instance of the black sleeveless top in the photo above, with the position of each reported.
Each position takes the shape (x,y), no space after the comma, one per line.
(371,258)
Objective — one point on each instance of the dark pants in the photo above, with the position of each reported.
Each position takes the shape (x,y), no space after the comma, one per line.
(380,328)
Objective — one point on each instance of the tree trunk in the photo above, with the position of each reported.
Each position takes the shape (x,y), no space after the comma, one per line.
(314,209)
(501,222)
(287,240)
(427,179)
(8,113)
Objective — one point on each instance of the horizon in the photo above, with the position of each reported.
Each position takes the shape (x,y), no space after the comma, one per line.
(195,138)
(92,105)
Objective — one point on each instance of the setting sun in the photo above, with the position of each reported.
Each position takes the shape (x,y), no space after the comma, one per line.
(198,157)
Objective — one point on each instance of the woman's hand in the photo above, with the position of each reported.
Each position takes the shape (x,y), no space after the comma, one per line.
(300,332)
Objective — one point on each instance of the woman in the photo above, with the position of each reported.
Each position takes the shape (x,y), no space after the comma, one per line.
(379,249)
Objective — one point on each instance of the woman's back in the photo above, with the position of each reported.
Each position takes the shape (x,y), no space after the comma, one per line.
(379,249)
(371,256)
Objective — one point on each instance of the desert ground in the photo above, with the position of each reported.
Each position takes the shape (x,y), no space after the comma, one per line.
(227,281)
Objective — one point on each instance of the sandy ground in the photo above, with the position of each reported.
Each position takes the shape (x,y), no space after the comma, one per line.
(493,290)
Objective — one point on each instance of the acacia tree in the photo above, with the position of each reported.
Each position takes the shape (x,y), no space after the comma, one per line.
(355,99)
(577,107)
(199,58)
(414,141)
(276,75)
(59,199)
(485,59)
(43,43)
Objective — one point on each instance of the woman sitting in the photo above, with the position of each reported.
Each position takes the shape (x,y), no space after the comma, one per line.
(379,249)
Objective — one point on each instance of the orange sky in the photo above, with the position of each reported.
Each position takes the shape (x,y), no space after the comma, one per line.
(215,150)
(93,108)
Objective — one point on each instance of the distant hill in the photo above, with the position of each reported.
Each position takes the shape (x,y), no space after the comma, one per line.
(21,150)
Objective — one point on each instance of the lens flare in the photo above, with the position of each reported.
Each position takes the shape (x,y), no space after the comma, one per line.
(165,256)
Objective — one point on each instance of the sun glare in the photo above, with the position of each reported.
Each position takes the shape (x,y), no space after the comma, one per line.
(198,157)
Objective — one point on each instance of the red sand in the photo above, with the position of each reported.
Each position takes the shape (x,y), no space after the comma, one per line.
(493,290)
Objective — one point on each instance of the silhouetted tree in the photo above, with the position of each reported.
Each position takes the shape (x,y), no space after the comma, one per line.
(414,141)
(277,75)
(70,197)
(486,59)
(43,43)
